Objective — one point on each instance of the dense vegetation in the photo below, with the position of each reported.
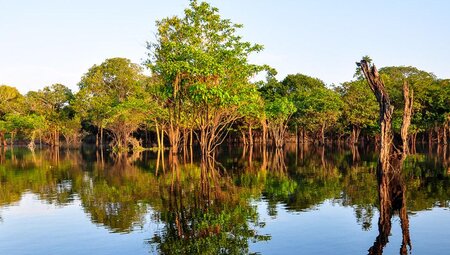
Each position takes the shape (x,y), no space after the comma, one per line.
(201,90)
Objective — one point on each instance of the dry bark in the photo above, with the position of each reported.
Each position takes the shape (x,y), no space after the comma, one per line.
(391,188)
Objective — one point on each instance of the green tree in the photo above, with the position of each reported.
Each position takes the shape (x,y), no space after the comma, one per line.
(278,107)
(419,81)
(201,59)
(52,104)
(318,107)
(360,108)
(11,102)
(112,96)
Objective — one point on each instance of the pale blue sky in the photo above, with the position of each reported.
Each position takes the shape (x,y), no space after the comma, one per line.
(56,41)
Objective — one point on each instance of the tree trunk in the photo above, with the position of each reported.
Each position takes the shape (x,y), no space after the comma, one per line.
(174,138)
(355,134)
(264,134)
(322,134)
(97,139)
(185,139)
(158,138)
(389,151)
(244,140)
(2,139)
(391,187)
(250,135)
(407,113)
(101,136)
(430,137)
(444,135)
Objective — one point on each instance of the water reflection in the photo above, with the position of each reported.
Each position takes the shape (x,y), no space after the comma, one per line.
(208,205)
(392,197)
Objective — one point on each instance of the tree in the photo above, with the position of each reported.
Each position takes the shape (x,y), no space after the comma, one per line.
(419,81)
(52,103)
(436,108)
(201,60)
(11,102)
(112,96)
(318,107)
(278,108)
(360,107)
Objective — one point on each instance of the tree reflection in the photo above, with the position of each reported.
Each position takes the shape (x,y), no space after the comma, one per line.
(204,212)
(208,205)
(392,195)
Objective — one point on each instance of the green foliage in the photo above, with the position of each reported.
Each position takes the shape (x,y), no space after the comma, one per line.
(279,110)
(112,95)
(10,100)
(360,107)
(203,65)
(419,81)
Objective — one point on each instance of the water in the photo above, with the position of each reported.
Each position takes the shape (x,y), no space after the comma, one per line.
(296,201)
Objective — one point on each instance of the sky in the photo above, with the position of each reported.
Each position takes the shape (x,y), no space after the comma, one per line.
(57,41)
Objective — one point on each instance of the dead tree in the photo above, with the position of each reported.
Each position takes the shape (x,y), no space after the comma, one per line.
(393,151)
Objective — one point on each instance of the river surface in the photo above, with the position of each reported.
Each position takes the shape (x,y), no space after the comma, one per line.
(247,201)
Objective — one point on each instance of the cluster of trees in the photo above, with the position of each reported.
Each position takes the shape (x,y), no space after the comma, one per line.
(201,90)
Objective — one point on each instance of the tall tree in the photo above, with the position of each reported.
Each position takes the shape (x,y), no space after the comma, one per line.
(202,60)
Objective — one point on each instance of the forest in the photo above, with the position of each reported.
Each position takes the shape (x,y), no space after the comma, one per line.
(197,87)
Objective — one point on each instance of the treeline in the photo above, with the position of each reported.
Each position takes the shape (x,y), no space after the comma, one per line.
(200,91)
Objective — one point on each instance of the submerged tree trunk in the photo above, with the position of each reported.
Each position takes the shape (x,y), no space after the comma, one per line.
(391,188)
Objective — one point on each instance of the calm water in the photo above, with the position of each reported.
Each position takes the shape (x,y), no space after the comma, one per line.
(296,201)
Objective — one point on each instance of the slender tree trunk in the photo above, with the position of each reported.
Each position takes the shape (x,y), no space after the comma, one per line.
(185,139)
(97,139)
(158,138)
(407,113)
(250,135)
(322,134)
(303,135)
(444,133)
(244,140)
(264,132)
(439,135)
(430,136)
(2,139)
(101,136)
(174,138)
(162,139)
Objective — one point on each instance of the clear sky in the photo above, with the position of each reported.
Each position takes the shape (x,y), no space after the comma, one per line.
(56,41)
